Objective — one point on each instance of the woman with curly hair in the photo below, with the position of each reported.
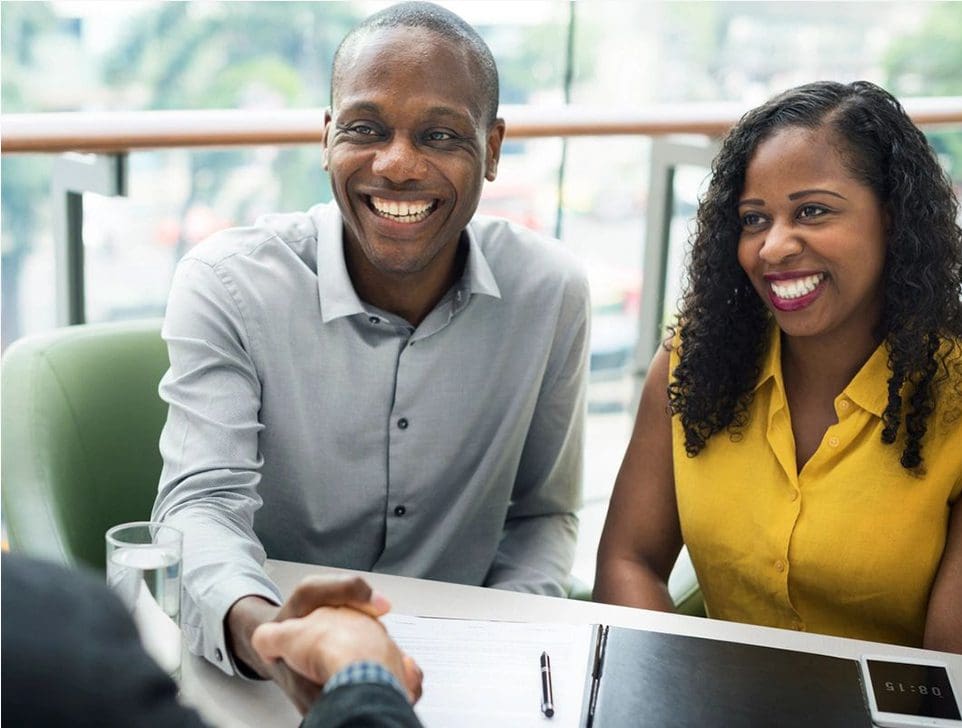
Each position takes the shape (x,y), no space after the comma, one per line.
(801,431)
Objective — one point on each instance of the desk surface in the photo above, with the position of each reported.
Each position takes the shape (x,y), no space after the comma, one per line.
(228,702)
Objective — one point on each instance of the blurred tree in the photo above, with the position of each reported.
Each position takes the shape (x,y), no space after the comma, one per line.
(929,63)
(235,55)
(24,180)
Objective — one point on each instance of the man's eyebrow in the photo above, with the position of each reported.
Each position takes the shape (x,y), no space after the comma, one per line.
(447,111)
(803,193)
(361,106)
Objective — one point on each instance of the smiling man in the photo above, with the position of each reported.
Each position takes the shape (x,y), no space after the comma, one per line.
(389,383)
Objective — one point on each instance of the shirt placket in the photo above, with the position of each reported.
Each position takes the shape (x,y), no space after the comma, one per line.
(782,441)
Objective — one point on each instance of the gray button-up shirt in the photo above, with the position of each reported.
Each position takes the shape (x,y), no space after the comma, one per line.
(310,426)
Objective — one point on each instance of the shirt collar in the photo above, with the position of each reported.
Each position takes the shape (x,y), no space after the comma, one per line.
(772,362)
(336,292)
(867,389)
(478,277)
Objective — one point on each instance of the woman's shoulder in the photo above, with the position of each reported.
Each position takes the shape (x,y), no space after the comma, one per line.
(948,385)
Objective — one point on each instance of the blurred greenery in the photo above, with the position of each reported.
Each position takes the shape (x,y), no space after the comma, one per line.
(237,55)
(23,180)
(929,63)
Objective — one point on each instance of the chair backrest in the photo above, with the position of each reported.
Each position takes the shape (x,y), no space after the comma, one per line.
(81,421)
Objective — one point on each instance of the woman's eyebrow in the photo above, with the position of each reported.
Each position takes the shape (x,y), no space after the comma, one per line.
(803,193)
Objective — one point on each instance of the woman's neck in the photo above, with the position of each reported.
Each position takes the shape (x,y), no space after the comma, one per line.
(825,364)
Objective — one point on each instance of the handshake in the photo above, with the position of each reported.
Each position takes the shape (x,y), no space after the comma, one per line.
(326,624)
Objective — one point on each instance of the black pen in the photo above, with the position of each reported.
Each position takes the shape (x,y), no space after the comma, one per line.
(547,693)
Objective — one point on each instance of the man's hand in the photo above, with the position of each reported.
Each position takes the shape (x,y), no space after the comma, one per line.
(248,613)
(331,638)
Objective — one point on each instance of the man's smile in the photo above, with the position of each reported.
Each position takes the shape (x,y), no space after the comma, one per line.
(403,211)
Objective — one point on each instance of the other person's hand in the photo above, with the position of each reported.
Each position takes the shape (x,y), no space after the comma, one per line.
(248,613)
(330,638)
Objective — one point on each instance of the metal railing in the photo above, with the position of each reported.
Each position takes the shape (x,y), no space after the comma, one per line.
(114,132)
(110,136)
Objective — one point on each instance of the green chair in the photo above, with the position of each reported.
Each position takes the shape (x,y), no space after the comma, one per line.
(683,587)
(81,421)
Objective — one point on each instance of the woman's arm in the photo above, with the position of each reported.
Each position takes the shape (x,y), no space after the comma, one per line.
(642,534)
(943,625)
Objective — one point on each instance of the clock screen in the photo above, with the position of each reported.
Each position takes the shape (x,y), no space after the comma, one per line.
(922,690)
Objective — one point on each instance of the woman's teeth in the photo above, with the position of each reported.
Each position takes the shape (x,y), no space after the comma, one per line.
(796,288)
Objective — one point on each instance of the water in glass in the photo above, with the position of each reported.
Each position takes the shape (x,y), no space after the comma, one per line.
(147,579)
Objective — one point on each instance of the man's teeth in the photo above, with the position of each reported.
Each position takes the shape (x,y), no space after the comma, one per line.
(796,288)
(404,210)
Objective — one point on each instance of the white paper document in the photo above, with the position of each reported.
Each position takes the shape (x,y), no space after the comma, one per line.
(483,673)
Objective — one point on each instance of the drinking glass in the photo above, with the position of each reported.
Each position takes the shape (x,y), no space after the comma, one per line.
(144,562)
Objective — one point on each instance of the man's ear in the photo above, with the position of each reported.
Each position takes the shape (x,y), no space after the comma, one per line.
(493,149)
(325,148)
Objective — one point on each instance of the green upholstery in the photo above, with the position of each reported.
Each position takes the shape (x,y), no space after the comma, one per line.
(81,420)
(683,587)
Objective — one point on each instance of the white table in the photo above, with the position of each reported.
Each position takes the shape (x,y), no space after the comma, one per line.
(228,702)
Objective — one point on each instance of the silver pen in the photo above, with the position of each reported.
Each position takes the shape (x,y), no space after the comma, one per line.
(547,693)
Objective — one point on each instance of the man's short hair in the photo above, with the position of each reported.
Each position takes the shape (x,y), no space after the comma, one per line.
(438,20)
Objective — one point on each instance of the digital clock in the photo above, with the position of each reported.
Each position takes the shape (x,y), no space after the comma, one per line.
(910,692)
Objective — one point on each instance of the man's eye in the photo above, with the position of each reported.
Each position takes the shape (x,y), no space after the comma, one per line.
(810,211)
(363,129)
(439,136)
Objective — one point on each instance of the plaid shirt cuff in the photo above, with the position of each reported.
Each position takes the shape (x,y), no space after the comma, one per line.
(364,671)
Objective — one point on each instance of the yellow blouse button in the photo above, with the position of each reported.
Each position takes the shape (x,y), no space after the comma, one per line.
(794,495)
(843,404)
(779,565)
(833,441)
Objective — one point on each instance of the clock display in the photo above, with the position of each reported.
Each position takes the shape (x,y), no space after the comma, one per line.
(922,690)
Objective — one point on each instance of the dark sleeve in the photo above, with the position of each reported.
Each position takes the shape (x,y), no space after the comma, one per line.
(71,655)
(362,705)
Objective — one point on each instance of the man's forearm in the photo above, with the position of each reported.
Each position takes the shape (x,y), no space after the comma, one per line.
(246,615)
(535,554)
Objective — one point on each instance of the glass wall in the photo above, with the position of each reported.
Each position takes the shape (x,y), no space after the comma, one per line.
(60,56)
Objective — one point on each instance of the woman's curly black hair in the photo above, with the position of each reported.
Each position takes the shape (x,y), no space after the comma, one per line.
(723,323)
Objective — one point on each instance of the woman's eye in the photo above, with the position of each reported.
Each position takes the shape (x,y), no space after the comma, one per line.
(752,219)
(810,211)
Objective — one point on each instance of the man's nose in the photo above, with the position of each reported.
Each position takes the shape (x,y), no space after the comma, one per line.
(400,161)
(782,241)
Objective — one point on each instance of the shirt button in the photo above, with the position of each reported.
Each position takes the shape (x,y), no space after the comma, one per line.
(402,423)
(794,495)
(833,441)
(374,320)
(843,404)
(218,655)
(779,565)
(400,511)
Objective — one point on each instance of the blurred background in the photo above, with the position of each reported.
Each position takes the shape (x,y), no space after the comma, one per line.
(591,192)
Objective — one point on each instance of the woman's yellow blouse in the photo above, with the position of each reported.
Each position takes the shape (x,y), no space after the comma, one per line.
(851,545)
